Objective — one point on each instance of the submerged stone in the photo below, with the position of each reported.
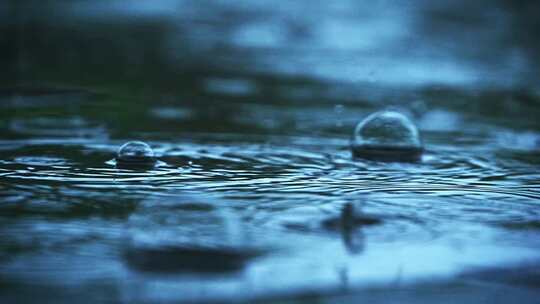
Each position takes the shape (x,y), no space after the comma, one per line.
(135,154)
(387,136)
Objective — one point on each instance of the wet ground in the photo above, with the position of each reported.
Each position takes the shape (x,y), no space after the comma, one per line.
(250,108)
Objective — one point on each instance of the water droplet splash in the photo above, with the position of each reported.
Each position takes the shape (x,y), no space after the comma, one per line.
(135,154)
(387,136)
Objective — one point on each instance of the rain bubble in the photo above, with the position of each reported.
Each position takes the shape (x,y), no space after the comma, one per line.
(135,154)
(387,136)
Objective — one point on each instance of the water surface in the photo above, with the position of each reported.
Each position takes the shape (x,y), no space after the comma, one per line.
(251,122)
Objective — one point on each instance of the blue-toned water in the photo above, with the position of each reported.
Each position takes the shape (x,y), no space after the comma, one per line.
(250,108)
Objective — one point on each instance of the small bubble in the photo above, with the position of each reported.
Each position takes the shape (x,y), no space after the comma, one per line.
(388,136)
(135,154)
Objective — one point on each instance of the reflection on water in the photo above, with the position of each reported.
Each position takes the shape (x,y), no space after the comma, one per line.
(262,216)
(249,108)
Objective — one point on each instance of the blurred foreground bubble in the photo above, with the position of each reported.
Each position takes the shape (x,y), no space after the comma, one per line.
(387,136)
(135,154)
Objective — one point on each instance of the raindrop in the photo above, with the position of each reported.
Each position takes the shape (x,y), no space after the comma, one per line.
(387,136)
(339,109)
(135,154)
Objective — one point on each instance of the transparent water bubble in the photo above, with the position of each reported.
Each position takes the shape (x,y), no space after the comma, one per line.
(135,154)
(388,136)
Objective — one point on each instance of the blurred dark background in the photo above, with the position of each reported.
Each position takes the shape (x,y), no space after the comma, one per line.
(216,58)
(166,45)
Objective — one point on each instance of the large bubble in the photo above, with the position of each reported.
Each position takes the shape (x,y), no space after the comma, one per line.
(135,154)
(387,136)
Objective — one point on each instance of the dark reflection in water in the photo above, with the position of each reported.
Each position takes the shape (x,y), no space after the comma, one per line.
(249,108)
(188,259)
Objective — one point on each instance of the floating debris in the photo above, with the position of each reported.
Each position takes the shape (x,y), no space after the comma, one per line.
(350,218)
(387,136)
(349,223)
